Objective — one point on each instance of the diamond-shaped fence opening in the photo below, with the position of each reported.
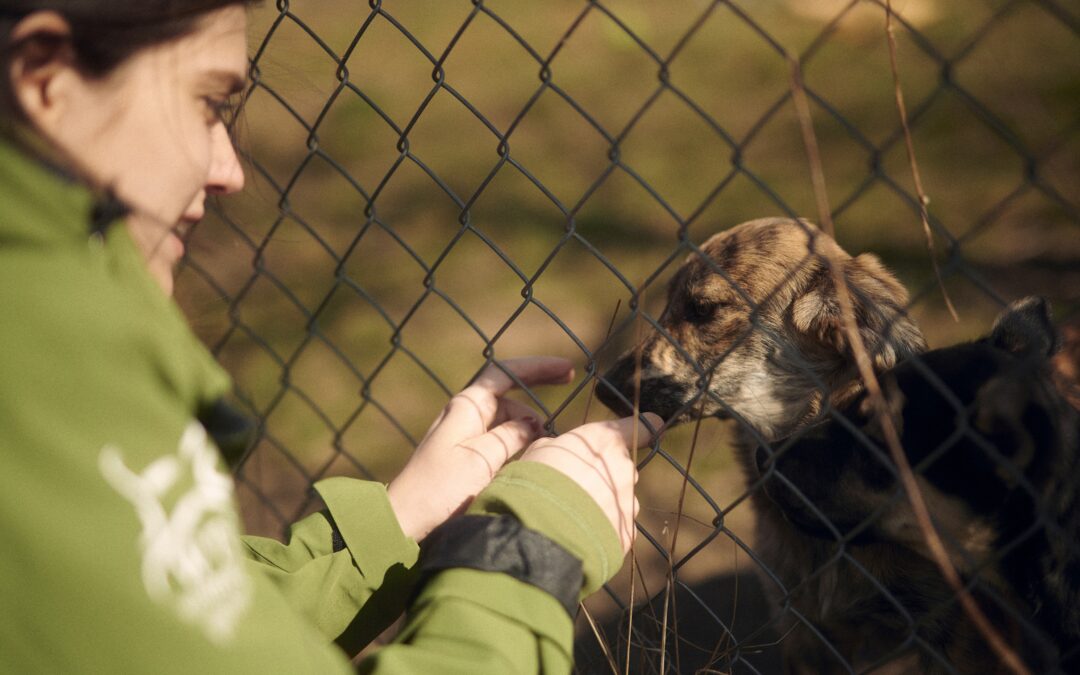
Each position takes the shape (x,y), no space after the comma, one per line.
(431,186)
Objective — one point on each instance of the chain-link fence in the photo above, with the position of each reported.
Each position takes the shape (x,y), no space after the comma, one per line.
(432,185)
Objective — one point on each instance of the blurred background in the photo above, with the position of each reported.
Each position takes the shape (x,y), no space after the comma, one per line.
(432,184)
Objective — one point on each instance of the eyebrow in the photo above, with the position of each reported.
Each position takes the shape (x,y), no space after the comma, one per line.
(226,79)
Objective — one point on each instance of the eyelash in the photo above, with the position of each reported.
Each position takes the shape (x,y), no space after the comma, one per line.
(221,110)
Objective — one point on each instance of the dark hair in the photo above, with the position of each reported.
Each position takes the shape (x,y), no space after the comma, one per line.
(104,33)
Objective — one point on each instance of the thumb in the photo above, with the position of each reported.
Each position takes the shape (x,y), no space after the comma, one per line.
(652,423)
(639,431)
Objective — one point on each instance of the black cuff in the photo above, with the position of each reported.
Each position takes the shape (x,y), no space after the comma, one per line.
(503,544)
(337,542)
(231,430)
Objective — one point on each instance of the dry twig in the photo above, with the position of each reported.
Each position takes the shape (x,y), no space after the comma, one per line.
(806,125)
(588,405)
(675,538)
(596,381)
(600,639)
(924,200)
(933,541)
(633,453)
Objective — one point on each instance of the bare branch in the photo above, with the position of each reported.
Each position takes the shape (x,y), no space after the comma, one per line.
(806,125)
(933,541)
(924,200)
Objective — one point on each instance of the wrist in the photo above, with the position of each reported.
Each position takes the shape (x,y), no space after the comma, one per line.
(548,501)
(500,543)
(406,512)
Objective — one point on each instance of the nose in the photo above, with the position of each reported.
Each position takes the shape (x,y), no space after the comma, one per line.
(616,387)
(225,176)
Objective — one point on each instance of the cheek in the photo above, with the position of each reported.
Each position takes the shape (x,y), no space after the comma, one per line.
(165,151)
(179,157)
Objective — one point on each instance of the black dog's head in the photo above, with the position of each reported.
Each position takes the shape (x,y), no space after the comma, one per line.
(993,445)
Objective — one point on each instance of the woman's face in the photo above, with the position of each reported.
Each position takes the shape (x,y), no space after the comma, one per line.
(151,130)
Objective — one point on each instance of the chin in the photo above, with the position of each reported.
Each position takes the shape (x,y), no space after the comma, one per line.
(162,273)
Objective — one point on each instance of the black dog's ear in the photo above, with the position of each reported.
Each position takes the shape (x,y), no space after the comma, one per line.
(1000,415)
(1024,327)
(878,298)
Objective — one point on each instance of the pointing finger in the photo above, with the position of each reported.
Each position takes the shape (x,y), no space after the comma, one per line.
(476,407)
(529,370)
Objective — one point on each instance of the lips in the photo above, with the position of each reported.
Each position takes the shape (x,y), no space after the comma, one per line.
(175,245)
(181,231)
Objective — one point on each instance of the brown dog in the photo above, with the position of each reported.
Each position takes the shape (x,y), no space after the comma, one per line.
(757,319)
(753,330)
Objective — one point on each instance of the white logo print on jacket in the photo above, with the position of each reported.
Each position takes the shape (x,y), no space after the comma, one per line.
(191,555)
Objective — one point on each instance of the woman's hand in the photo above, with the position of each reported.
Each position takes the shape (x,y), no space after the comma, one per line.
(597,457)
(475,435)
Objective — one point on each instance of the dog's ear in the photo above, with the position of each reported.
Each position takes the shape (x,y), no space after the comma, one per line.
(878,299)
(816,312)
(1025,328)
(1002,415)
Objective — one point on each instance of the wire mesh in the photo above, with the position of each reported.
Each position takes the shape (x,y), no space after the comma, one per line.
(433,185)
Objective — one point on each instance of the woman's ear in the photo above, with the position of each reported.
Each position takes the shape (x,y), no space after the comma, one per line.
(42,68)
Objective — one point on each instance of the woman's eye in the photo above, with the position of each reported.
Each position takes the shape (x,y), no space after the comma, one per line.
(219,109)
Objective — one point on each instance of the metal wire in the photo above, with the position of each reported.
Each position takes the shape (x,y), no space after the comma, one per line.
(276,323)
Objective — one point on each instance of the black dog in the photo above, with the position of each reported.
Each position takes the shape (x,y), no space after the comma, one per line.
(996,449)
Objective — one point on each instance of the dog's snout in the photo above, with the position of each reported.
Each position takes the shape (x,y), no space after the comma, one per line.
(615,388)
(616,400)
(624,384)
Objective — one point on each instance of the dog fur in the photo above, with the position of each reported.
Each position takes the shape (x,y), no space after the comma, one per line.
(752,330)
(996,448)
(755,316)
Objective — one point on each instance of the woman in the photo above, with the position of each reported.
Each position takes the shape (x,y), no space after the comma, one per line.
(121,548)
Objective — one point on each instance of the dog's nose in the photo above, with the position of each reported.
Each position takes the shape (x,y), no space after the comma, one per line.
(613,389)
(624,383)
(615,400)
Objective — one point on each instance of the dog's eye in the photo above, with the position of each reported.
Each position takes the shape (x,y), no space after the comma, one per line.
(699,310)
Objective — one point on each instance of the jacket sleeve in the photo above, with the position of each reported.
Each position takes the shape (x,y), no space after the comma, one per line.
(473,622)
(351,570)
(348,569)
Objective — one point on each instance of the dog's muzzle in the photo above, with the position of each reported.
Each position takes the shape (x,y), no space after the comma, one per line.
(622,383)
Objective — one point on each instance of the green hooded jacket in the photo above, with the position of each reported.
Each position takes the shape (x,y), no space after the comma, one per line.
(121,547)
